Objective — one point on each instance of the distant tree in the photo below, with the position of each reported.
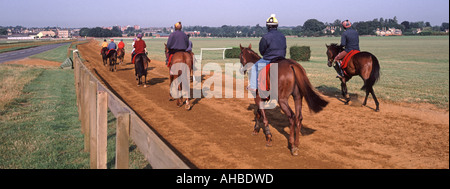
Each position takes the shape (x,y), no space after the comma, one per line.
(444,26)
(84,32)
(406,25)
(313,27)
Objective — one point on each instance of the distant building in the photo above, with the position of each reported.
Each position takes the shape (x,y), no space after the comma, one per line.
(192,33)
(389,32)
(137,27)
(63,33)
(44,34)
(332,29)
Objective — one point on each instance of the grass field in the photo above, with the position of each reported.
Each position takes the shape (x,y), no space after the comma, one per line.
(413,69)
(39,126)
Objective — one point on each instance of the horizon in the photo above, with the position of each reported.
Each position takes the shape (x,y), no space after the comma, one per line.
(290,13)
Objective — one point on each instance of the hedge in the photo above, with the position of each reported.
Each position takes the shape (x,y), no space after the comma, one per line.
(300,53)
(233,53)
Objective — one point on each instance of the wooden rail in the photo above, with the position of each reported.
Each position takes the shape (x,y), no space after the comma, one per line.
(93,101)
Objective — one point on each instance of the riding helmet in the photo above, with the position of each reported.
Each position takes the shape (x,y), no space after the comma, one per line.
(272,22)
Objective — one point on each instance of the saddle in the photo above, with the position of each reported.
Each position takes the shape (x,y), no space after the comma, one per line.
(347,58)
(264,75)
(144,54)
(111,50)
(264,78)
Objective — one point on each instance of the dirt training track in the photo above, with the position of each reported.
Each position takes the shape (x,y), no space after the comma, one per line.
(216,133)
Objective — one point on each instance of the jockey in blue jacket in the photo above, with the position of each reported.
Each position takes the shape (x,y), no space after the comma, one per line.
(112,45)
(350,41)
(272,46)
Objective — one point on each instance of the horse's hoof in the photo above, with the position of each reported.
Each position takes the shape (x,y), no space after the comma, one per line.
(377,110)
(268,140)
(187,107)
(145,86)
(294,151)
(255,133)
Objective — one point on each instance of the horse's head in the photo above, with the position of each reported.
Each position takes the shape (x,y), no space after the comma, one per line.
(332,51)
(247,56)
(165,48)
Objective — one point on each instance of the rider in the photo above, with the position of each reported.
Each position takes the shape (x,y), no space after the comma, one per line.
(272,46)
(121,44)
(112,45)
(178,41)
(104,46)
(350,41)
(139,45)
(133,51)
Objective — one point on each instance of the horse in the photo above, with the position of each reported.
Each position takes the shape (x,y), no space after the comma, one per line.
(140,67)
(177,58)
(112,56)
(292,81)
(364,64)
(104,57)
(120,55)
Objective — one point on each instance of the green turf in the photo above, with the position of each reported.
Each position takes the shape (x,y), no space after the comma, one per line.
(414,69)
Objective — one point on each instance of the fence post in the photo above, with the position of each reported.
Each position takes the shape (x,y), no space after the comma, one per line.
(93,124)
(85,109)
(122,138)
(102,126)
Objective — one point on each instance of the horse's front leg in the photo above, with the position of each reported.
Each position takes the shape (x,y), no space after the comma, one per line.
(266,129)
(344,92)
(145,81)
(257,128)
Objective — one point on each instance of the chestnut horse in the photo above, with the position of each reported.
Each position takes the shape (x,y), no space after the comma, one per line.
(292,81)
(181,57)
(364,64)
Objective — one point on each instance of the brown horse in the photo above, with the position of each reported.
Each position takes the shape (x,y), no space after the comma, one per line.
(120,55)
(292,81)
(140,68)
(112,57)
(364,64)
(181,57)
(104,56)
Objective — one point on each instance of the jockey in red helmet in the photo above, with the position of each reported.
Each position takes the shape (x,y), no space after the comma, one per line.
(350,41)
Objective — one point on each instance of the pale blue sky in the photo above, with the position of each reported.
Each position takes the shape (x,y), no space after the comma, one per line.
(91,13)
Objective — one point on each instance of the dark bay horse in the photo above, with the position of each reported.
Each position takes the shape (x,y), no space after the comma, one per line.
(112,57)
(292,81)
(120,55)
(140,68)
(364,64)
(181,57)
(104,57)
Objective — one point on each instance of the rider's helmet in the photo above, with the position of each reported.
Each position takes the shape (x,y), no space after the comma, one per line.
(178,26)
(139,35)
(272,22)
(346,24)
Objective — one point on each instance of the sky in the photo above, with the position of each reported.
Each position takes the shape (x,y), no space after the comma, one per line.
(165,13)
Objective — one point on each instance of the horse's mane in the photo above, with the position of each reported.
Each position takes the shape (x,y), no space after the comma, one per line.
(337,46)
(253,53)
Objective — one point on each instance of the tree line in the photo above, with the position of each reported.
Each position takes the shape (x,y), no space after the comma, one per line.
(316,28)
(100,32)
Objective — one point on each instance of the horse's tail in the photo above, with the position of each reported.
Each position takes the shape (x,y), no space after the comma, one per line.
(315,102)
(374,75)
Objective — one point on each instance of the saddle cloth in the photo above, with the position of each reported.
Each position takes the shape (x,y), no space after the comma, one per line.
(347,58)
(264,78)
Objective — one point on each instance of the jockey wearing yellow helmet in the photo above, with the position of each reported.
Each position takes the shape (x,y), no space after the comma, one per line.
(178,41)
(272,46)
